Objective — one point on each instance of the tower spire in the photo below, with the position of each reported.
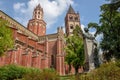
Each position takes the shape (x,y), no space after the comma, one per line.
(70,10)
(38,12)
(38,6)
(72,20)
(37,25)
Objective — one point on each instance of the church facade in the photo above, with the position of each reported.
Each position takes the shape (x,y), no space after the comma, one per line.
(33,47)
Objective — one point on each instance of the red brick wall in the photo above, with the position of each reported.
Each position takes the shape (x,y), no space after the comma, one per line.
(22,37)
(41,61)
(36,61)
(60,65)
(52,47)
(37,27)
(27,59)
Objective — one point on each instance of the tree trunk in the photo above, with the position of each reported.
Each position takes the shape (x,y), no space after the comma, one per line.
(69,68)
(76,70)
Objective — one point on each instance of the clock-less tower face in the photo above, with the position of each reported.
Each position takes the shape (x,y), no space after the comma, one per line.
(71,21)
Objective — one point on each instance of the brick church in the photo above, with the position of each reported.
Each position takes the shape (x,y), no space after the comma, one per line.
(33,47)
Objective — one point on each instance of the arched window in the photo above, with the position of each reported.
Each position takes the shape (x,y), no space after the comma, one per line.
(71,18)
(52,61)
(35,16)
(76,18)
(71,26)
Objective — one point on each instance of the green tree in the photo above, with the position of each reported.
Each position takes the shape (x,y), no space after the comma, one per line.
(69,57)
(75,50)
(6,40)
(109,26)
(115,4)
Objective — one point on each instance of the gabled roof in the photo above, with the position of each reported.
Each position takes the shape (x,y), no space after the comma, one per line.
(70,10)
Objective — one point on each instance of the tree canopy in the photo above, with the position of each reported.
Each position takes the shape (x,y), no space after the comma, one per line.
(6,39)
(75,50)
(109,26)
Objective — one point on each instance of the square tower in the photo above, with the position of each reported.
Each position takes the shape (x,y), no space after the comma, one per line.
(72,20)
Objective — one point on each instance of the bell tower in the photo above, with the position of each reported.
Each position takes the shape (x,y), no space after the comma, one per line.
(37,25)
(72,20)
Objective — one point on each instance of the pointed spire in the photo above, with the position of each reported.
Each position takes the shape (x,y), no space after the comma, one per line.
(71,10)
(38,6)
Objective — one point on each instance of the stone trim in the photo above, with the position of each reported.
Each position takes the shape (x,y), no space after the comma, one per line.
(49,37)
(20,42)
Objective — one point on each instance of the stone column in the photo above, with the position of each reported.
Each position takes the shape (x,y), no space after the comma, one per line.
(46,54)
(60,67)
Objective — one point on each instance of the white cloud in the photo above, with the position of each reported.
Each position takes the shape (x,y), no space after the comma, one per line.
(52,10)
(82,27)
(18,5)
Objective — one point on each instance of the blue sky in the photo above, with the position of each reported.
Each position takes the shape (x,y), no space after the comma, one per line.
(55,11)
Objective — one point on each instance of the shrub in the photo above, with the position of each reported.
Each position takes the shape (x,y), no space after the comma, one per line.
(11,72)
(33,75)
(14,72)
(46,74)
(109,71)
(49,74)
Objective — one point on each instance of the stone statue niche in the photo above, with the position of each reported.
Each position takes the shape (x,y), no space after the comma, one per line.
(90,46)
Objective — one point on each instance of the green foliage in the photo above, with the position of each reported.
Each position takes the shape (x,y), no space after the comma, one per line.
(75,50)
(118,63)
(6,40)
(109,71)
(46,74)
(115,4)
(31,75)
(49,74)
(11,72)
(109,26)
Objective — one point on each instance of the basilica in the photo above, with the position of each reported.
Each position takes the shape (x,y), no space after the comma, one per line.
(33,47)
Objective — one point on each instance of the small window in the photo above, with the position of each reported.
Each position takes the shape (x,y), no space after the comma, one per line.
(38,12)
(71,18)
(76,18)
(35,16)
(71,27)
